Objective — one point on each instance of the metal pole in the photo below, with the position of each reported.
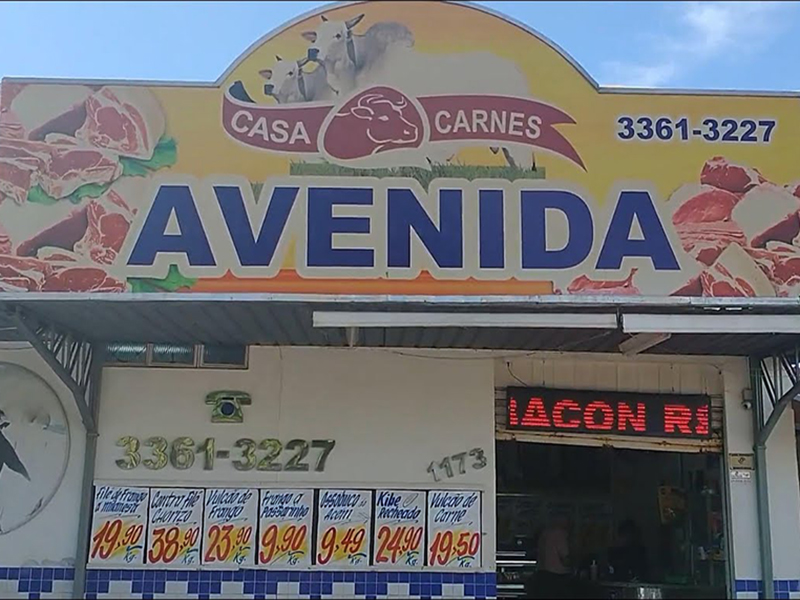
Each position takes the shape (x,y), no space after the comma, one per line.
(727,514)
(762,494)
(87,483)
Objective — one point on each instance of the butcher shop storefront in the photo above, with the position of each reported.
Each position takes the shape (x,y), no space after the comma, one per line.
(352,321)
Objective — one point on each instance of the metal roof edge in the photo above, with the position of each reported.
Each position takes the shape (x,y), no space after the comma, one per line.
(593,301)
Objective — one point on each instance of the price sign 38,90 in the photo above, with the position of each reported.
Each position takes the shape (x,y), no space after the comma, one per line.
(171,545)
(174,527)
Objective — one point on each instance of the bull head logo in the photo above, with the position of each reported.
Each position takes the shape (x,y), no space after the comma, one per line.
(377,120)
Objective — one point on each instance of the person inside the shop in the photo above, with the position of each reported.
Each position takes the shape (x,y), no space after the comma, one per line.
(628,560)
(553,577)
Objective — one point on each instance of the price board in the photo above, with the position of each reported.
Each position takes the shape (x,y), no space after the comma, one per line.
(174,526)
(119,518)
(454,529)
(285,518)
(229,527)
(399,529)
(343,529)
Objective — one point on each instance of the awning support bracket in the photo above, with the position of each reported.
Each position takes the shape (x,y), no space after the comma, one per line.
(78,364)
(69,357)
(785,370)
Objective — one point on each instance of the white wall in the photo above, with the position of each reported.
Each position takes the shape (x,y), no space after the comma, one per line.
(739,432)
(50,538)
(390,415)
(784,499)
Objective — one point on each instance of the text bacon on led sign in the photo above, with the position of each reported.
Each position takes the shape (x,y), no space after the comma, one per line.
(619,413)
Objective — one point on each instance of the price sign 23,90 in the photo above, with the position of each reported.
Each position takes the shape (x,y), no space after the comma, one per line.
(229,528)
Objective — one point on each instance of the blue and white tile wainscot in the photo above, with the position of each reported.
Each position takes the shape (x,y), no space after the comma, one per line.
(753,589)
(46,582)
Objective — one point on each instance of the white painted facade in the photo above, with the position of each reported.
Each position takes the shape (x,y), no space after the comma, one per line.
(391,414)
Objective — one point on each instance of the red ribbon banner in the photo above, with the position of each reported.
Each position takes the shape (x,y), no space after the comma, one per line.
(382,119)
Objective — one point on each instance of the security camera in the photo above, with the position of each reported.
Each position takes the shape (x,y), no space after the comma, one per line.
(747,399)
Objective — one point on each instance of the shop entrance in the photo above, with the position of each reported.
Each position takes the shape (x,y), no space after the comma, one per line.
(640,523)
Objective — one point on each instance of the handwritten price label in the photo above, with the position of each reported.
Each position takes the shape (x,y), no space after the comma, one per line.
(399,545)
(400,528)
(285,543)
(343,545)
(174,544)
(174,529)
(228,544)
(343,528)
(230,525)
(454,529)
(116,538)
(285,520)
(118,526)
(460,547)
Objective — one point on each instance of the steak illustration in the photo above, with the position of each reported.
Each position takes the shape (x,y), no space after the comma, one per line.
(703,222)
(585,285)
(108,220)
(725,175)
(15,179)
(5,241)
(768,213)
(734,273)
(24,273)
(82,279)
(59,169)
(128,121)
(96,231)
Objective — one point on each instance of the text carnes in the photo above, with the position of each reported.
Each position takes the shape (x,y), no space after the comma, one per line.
(570,411)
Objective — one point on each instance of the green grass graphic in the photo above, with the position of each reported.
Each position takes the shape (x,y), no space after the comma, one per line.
(423,176)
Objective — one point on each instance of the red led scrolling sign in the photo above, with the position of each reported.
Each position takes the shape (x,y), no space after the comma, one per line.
(617,413)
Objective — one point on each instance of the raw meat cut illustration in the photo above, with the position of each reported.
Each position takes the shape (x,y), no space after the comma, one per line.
(128,121)
(768,212)
(585,285)
(725,175)
(5,241)
(75,148)
(741,229)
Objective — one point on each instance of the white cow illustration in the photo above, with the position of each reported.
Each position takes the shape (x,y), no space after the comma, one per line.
(287,82)
(394,62)
(347,55)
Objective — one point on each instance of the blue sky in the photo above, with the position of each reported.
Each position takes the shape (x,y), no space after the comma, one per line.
(719,45)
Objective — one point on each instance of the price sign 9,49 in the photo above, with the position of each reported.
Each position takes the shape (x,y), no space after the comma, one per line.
(343,545)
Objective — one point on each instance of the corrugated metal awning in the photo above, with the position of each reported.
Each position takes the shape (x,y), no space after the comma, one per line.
(288,320)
